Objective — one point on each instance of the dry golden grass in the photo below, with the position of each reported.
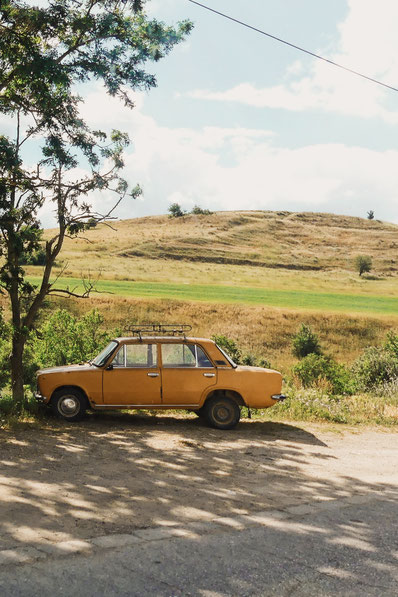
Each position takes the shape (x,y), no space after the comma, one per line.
(264,332)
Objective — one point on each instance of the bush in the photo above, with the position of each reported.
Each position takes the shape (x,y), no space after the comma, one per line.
(311,404)
(198,211)
(64,339)
(318,370)
(175,211)
(230,347)
(376,366)
(249,359)
(264,363)
(305,342)
(36,258)
(391,344)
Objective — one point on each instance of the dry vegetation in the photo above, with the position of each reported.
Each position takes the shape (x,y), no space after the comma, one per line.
(261,331)
(302,241)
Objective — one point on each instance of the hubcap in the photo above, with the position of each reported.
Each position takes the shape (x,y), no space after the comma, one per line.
(223,414)
(69,406)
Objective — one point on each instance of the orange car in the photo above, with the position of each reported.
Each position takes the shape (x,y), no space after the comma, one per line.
(160,372)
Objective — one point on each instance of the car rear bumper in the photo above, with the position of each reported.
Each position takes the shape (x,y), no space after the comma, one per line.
(278,397)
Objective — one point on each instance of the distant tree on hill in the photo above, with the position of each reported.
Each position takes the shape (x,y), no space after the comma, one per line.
(371,215)
(363,264)
(175,211)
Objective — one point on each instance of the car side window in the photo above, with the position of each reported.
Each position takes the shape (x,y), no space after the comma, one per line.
(202,358)
(119,359)
(184,355)
(136,355)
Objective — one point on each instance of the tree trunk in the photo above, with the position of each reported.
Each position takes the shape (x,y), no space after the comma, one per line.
(17,377)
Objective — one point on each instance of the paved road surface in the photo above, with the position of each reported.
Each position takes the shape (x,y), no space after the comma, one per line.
(345,547)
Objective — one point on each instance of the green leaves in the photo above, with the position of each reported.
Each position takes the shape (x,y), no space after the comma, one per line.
(44,53)
(65,339)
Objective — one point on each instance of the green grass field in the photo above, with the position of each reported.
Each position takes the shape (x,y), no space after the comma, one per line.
(291,299)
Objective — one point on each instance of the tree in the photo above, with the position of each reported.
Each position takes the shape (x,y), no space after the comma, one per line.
(363,264)
(175,211)
(371,215)
(44,54)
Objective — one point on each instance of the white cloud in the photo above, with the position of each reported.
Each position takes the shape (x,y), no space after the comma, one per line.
(368,43)
(241,168)
(238,168)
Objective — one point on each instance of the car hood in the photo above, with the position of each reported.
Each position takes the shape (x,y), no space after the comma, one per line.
(66,368)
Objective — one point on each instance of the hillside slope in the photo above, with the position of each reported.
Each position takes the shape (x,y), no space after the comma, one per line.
(278,240)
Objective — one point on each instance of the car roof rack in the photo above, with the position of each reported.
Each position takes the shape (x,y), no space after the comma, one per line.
(161,329)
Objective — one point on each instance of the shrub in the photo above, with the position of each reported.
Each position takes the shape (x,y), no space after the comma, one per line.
(198,211)
(249,359)
(264,363)
(175,211)
(363,264)
(64,339)
(36,258)
(375,366)
(229,346)
(391,343)
(311,404)
(319,370)
(305,342)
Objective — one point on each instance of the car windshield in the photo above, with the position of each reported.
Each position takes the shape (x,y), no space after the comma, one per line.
(103,356)
(230,361)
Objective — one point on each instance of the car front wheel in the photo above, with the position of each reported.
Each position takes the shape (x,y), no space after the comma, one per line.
(69,404)
(222,413)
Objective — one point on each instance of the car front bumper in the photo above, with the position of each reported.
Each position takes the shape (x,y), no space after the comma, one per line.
(40,398)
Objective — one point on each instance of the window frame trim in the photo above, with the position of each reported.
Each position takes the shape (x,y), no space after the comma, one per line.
(196,366)
(125,366)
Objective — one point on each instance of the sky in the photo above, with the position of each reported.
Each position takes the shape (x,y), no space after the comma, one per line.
(239,121)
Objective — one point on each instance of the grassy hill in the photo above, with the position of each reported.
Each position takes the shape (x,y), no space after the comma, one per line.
(257,274)
(272,250)
(277,240)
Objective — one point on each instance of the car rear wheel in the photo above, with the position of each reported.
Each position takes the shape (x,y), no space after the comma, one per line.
(70,404)
(222,413)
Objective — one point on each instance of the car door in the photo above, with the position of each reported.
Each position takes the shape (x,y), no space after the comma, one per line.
(133,377)
(187,372)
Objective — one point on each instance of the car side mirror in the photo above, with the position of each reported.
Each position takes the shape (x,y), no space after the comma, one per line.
(109,367)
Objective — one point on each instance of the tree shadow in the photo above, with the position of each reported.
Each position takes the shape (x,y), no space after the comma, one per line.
(118,472)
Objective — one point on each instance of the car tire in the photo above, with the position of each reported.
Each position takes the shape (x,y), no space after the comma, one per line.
(222,413)
(69,404)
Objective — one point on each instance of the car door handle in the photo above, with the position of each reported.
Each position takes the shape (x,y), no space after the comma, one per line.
(209,374)
(153,374)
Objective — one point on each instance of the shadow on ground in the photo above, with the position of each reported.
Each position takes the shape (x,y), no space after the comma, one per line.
(116,472)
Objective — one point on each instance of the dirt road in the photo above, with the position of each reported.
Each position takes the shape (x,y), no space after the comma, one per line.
(116,473)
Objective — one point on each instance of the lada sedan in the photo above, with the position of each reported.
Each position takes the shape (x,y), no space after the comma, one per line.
(157,372)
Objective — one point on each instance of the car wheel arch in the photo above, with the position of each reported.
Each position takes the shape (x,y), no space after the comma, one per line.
(70,387)
(232,394)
